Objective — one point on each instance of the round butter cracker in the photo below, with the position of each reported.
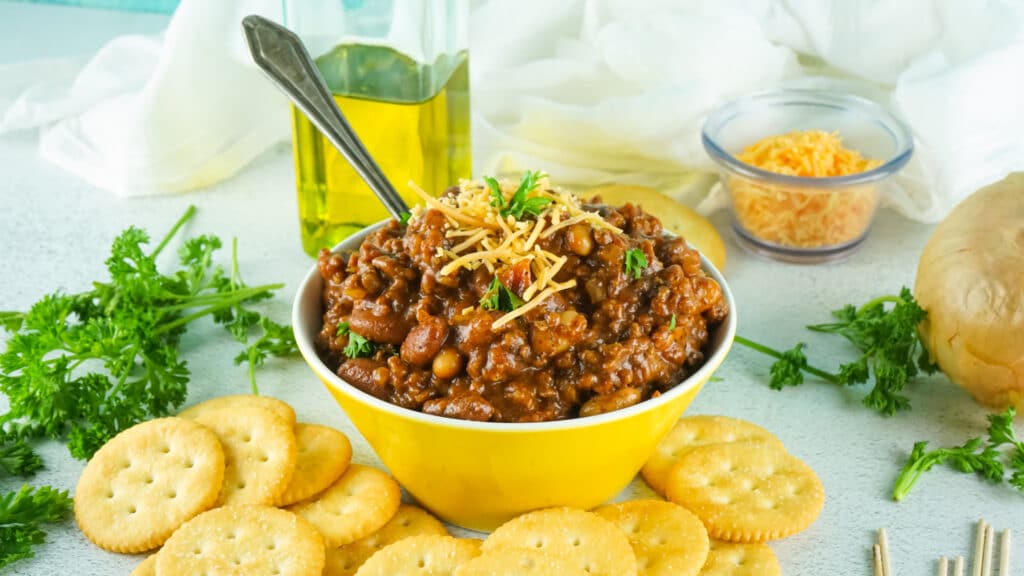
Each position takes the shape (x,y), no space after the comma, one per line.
(731,559)
(276,406)
(322,455)
(146,482)
(519,562)
(243,540)
(259,450)
(748,491)
(691,432)
(592,543)
(668,540)
(356,505)
(425,555)
(146,568)
(408,521)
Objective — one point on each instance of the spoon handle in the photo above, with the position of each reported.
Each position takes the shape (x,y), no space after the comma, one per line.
(280,53)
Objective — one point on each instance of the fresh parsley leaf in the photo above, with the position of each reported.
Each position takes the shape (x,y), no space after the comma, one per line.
(634,262)
(21,514)
(788,370)
(672,324)
(1000,430)
(891,352)
(403,218)
(11,321)
(497,198)
(529,207)
(358,346)
(985,460)
(499,297)
(1000,433)
(18,459)
(274,340)
(889,345)
(519,205)
(83,367)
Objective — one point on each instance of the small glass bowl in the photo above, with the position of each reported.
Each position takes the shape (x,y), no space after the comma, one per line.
(800,219)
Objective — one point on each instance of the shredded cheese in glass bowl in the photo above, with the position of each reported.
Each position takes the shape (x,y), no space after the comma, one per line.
(804,170)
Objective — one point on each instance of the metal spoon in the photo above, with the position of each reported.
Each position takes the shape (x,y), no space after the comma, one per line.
(280,53)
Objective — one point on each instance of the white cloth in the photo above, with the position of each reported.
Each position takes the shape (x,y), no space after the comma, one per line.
(602,91)
(592,91)
(153,114)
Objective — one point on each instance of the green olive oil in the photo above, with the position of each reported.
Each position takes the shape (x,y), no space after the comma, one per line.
(413,119)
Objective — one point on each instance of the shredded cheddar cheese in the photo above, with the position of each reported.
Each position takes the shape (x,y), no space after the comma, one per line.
(481,236)
(801,216)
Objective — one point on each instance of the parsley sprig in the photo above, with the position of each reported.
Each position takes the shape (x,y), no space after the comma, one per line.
(17,458)
(500,297)
(358,346)
(21,514)
(634,262)
(891,352)
(984,459)
(83,367)
(519,205)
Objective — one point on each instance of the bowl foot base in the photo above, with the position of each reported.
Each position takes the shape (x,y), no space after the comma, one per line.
(796,255)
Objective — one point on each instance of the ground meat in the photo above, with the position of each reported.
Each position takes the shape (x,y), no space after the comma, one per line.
(609,343)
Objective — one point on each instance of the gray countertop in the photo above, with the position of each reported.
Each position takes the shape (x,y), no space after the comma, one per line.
(55,233)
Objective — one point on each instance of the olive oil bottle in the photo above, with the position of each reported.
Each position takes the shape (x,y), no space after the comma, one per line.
(412,117)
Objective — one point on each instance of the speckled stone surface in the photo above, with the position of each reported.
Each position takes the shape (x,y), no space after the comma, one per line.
(55,232)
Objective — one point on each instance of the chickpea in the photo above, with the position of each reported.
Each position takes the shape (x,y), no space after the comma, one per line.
(621,398)
(371,282)
(580,239)
(567,317)
(448,363)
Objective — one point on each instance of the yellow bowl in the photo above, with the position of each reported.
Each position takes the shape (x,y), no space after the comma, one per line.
(480,474)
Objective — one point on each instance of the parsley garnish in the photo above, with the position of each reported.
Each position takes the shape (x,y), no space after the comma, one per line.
(497,198)
(22,512)
(499,297)
(890,351)
(634,262)
(672,324)
(87,366)
(358,346)
(519,205)
(403,218)
(985,460)
(18,459)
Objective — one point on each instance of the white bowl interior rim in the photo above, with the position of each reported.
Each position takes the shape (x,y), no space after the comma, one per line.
(304,336)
